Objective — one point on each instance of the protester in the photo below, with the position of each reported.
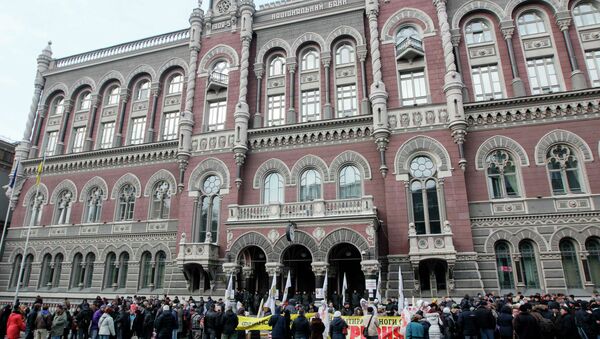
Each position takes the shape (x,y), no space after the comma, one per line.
(338,327)
(230,322)
(525,325)
(415,330)
(300,326)
(505,323)
(316,327)
(371,324)
(15,324)
(59,323)
(165,323)
(106,325)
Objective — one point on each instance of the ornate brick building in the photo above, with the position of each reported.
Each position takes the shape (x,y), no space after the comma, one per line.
(456,139)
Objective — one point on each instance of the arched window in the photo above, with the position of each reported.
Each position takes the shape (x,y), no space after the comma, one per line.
(161,261)
(110,270)
(93,205)
(531,23)
(310,185)
(350,183)
(570,262)
(14,276)
(85,101)
(502,175)
(57,270)
(221,67)
(123,269)
(344,54)
(592,245)
(34,210)
(45,280)
(504,265)
(586,14)
(161,200)
(277,66)
(63,207)
(77,271)
(175,84)
(529,265)
(477,32)
(142,91)
(113,95)
(563,169)
(126,203)
(146,271)
(310,60)
(207,211)
(58,106)
(408,33)
(425,205)
(273,189)
(88,270)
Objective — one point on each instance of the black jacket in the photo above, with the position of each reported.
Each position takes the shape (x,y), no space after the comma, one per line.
(300,327)
(229,322)
(526,326)
(485,318)
(467,321)
(505,323)
(165,324)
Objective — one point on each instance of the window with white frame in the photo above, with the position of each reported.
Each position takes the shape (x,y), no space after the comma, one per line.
(310,185)
(310,60)
(85,101)
(345,54)
(175,84)
(350,183)
(93,208)
(34,210)
(138,127)
(63,207)
(563,169)
(486,83)
(107,135)
(58,106)
(424,196)
(143,90)
(502,175)
(207,215)
(170,126)
(530,23)
(273,189)
(413,89)
(275,110)
(592,60)
(126,203)
(277,66)
(216,115)
(51,140)
(347,101)
(161,200)
(477,32)
(310,105)
(542,75)
(114,94)
(586,14)
(78,139)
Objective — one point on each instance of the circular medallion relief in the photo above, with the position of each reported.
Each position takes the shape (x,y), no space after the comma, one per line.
(223,6)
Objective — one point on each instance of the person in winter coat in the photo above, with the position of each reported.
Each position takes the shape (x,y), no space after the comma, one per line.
(316,327)
(94,323)
(415,330)
(338,326)
(15,324)
(165,323)
(211,322)
(584,319)
(229,321)
(300,326)
(106,325)
(59,323)
(4,320)
(30,323)
(505,323)
(566,324)
(43,323)
(486,321)
(83,319)
(371,323)
(280,325)
(525,325)
(450,326)
(467,321)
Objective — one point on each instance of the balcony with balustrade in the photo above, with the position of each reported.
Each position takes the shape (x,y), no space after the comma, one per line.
(217,81)
(409,49)
(431,245)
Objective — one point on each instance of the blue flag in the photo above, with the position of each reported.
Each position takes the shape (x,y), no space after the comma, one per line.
(14,176)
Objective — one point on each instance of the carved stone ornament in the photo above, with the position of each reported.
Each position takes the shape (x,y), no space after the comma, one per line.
(273,235)
(318,233)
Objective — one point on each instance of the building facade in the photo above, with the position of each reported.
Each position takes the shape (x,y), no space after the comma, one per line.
(454,140)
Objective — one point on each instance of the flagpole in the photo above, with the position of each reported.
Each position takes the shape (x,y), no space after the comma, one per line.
(4,228)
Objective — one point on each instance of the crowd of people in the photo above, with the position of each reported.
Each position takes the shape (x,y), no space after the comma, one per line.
(480,317)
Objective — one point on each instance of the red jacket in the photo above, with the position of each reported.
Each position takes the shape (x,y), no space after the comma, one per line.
(14,326)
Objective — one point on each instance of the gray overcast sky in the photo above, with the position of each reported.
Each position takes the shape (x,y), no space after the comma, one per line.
(74,26)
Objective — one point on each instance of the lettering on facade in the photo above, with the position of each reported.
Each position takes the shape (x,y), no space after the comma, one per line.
(308,9)
(221,25)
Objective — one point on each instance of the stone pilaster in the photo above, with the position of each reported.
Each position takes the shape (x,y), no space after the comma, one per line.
(91,125)
(62,134)
(155,91)
(563,20)
(258,117)
(508,29)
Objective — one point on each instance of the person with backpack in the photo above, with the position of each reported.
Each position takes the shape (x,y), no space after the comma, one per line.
(546,326)
(229,321)
(338,327)
(525,325)
(467,321)
(371,324)
(83,319)
(43,323)
(505,323)
(449,324)
(486,320)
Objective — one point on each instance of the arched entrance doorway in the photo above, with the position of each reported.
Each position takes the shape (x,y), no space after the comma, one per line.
(198,279)
(433,277)
(254,276)
(297,259)
(344,258)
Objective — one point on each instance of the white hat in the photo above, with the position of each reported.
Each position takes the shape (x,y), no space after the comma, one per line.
(337,314)
(166,308)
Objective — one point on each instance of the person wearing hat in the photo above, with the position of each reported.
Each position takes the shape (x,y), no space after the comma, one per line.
(316,327)
(229,322)
(165,324)
(338,327)
(106,325)
(370,323)
(525,324)
(414,329)
(300,326)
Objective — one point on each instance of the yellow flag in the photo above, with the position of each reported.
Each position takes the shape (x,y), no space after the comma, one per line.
(38,176)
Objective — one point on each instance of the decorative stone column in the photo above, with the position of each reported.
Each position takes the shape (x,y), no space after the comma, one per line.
(155,91)
(456,37)
(125,96)
(91,125)
(361,52)
(62,134)
(508,29)
(379,95)
(186,119)
(43,110)
(563,20)
(370,269)
(291,113)
(230,268)
(453,85)
(259,72)
(247,274)
(326,60)
(319,269)
(274,269)
(242,112)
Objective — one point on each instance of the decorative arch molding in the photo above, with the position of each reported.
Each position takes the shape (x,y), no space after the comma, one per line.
(219,50)
(64,185)
(580,236)
(349,158)
(153,249)
(343,235)
(126,179)
(424,144)
(309,161)
(476,6)
(251,239)
(555,5)
(162,174)
(407,14)
(589,232)
(533,236)
(95,181)
(502,142)
(84,252)
(175,62)
(51,92)
(85,81)
(140,70)
(31,192)
(271,165)
(301,238)
(53,251)
(19,250)
(117,251)
(344,31)
(209,166)
(110,77)
(271,44)
(558,136)
(499,235)
(309,37)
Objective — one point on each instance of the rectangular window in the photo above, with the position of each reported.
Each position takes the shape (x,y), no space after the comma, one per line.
(51,140)
(413,89)
(592,60)
(486,83)
(138,127)
(276,110)
(216,115)
(170,126)
(311,105)
(108,133)
(542,76)
(347,103)
(78,139)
